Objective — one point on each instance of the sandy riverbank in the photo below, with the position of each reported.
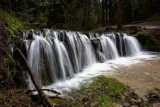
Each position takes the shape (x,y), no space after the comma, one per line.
(142,77)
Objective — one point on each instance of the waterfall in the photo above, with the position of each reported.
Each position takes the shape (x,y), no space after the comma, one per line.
(39,55)
(108,48)
(132,46)
(59,55)
(88,51)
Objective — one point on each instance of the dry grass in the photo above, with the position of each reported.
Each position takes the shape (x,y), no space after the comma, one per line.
(16,98)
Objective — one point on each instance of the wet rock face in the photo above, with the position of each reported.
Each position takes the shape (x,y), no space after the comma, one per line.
(9,73)
(30,35)
(149,39)
(3,45)
(5,62)
(95,43)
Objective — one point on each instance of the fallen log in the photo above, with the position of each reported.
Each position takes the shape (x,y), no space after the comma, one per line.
(53,91)
(42,95)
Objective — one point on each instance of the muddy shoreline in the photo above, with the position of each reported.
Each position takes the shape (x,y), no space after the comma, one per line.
(142,78)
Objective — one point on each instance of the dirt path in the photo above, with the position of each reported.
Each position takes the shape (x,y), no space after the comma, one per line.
(150,25)
(141,77)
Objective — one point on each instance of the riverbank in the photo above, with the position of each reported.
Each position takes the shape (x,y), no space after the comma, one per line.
(143,78)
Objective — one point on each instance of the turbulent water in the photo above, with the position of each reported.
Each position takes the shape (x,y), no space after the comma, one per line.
(61,55)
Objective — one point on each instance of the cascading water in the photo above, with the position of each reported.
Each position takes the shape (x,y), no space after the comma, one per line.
(108,48)
(88,51)
(132,46)
(59,55)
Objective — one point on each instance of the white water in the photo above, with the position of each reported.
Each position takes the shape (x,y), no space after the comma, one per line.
(88,52)
(132,46)
(107,68)
(108,48)
(65,60)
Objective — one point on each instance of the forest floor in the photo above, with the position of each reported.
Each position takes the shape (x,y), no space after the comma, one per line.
(142,78)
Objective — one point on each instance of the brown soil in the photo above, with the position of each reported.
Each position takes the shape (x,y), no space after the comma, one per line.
(142,78)
(150,25)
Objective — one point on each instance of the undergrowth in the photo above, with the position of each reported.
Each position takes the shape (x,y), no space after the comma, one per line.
(8,66)
(102,92)
(150,41)
(11,21)
(16,98)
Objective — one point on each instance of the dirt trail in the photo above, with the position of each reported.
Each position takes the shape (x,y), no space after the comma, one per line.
(142,77)
(150,25)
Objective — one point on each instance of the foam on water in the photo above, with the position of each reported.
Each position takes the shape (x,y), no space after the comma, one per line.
(64,60)
(107,68)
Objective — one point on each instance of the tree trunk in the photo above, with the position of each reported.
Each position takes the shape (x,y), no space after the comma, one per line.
(132,5)
(119,14)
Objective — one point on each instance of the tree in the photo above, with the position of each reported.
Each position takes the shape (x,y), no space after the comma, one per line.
(80,14)
(119,14)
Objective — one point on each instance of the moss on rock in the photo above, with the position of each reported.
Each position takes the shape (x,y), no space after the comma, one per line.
(102,92)
(149,40)
(8,71)
(11,21)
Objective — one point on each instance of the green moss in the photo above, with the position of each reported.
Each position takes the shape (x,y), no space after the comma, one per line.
(104,101)
(12,22)
(102,92)
(109,87)
(148,41)
(100,29)
(147,105)
(143,33)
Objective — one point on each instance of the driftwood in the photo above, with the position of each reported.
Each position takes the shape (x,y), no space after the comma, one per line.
(37,86)
(53,91)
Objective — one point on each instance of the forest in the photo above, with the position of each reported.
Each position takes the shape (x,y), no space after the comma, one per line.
(80,14)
